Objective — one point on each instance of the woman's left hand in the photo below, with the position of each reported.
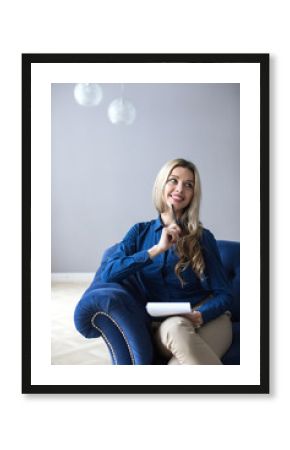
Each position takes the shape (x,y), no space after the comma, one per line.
(195,317)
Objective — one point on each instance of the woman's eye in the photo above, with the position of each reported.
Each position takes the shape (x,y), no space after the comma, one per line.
(175,181)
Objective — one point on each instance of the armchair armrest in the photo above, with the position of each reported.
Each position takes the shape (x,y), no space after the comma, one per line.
(111,311)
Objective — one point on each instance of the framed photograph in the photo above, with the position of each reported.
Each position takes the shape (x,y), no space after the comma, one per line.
(100,134)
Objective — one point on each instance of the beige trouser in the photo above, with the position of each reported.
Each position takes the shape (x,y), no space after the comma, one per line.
(181,343)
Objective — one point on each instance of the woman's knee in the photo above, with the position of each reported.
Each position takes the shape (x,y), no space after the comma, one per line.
(172,327)
(174,323)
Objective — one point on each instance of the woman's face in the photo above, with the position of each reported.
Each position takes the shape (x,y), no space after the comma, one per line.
(179,188)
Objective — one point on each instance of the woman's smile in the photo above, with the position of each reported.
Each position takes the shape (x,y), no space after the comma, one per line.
(177,198)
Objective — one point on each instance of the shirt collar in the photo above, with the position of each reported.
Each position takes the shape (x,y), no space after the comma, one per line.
(158,224)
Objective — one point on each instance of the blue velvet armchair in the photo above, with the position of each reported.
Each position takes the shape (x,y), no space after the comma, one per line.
(116,312)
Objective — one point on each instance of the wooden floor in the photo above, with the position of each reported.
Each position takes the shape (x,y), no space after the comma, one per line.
(68,346)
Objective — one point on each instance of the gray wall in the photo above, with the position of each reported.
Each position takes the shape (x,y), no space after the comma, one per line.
(102,174)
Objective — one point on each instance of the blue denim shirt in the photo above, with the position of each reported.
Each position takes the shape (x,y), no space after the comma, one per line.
(157,279)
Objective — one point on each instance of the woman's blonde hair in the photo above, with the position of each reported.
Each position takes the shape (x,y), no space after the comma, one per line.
(188,245)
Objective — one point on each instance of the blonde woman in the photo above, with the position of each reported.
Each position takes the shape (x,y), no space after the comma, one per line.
(175,259)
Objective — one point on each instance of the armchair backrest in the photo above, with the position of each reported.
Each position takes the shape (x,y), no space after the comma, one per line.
(230,255)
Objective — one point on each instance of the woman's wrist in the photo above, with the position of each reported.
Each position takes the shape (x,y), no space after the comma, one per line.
(197,317)
(154,251)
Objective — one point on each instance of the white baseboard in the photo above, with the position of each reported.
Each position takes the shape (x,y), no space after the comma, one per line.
(72,277)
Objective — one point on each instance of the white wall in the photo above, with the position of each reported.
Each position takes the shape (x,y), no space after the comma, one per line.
(102,174)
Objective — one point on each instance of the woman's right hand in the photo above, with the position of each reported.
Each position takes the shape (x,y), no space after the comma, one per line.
(169,236)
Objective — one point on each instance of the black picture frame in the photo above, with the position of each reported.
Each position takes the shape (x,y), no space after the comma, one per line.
(263,61)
